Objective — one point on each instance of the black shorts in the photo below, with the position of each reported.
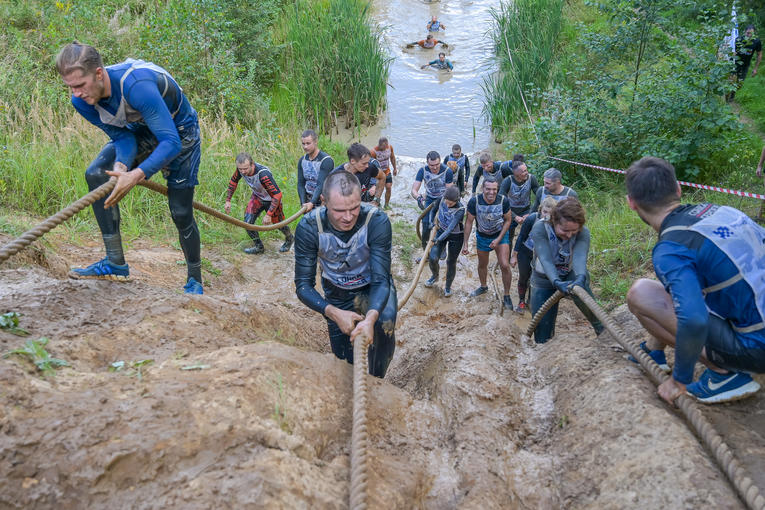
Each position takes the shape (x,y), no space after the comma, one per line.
(724,349)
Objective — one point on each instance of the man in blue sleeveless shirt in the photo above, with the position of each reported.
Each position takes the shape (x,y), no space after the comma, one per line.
(152,127)
(709,302)
(352,242)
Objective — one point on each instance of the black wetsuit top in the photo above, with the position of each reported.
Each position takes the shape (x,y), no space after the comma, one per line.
(504,189)
(371,172)
(379,236)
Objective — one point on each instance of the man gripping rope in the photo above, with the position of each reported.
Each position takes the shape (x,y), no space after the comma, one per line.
(266,196)
(152,127)
(312,169)
(352,242)
(709,302)
(449,236)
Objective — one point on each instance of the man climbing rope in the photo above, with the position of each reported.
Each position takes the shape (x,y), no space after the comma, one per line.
(560,262)
(437,178)
(440,63)
(352,242)
(709,302)
(552,187)
(434,25)
(488,167)
(493,218)
(312,169)
(449,236)
(367,170)
(266,196)
(519,188)
(427,43)
(384,155)
(152,127)
(463,166)
(523,252)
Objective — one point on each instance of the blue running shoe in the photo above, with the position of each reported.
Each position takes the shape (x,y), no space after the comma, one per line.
(101,270)
(713,388)
(193,287)
(658,356)
(431,281)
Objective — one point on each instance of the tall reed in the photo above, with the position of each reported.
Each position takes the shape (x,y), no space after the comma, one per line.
(524,34)
(334,63)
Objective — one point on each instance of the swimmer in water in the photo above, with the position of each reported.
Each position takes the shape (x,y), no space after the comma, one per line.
(440,63)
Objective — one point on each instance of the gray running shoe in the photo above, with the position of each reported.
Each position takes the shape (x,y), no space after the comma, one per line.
(480,290)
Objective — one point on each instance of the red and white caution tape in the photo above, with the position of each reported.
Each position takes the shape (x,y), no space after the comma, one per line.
(682,183)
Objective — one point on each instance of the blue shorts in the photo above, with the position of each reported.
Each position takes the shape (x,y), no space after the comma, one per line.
(181,171)
(482,242)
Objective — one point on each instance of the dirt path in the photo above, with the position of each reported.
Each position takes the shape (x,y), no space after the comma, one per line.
(243,406)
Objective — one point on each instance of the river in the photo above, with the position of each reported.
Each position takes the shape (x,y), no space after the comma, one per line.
(430,109)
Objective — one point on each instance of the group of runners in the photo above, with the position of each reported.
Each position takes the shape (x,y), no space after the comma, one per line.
(430,42)
(708,302)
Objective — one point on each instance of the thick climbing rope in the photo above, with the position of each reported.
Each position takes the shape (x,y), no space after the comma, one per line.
(500,297)
(728,463)
(57,219)
(419,220)
(420,267)
(60,217)
(359,434)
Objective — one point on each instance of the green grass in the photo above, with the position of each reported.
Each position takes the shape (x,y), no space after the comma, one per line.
(406,241)
(752,99)
(334,63)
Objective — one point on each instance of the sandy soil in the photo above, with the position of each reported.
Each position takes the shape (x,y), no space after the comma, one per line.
(245,407)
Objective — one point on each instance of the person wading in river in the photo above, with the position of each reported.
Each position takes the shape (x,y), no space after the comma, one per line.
(427,43)
(437,178)
(560,262)
(352,242)
(493,216)
(266,196)
(440,63)
(518,188)
(434,25)
(462,163)
(367,170)
(152,127)
(384,155)
(709,302)
(449,236)
(494,169)
(312,169)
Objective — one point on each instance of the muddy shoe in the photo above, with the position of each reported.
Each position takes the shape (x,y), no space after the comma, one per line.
(102,270)
(713,388)
(521,308)
(447,292)
(430,282)
(257,248)
(508,302)
(286,246)
(193,287)
(658,356)
(480,290)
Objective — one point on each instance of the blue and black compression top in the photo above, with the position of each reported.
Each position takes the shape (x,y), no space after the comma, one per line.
(446,64)
(450,219)
(519,193)
(462,162)
(435,184)
(153,99)
(506,168)
(311,174)
(379,240)
(703,279)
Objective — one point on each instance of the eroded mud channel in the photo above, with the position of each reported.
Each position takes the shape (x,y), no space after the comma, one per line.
(243,406)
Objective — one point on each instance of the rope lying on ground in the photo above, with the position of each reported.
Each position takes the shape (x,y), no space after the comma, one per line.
(728,463)
(100,192)
(359,431)
(57,219)
(500,297)
(736,192)
(419,220)
(160,188)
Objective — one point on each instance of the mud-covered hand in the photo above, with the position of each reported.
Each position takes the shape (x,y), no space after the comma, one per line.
(366,328)
(125,182)
(421,202)
(345,319)
(308,206)
(493,245)
(562,286)
(670,389)
(267,220)
(465,250)
(578,281)
(514,259)
(227,207)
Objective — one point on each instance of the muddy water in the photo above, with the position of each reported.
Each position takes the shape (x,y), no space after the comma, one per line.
(430,109)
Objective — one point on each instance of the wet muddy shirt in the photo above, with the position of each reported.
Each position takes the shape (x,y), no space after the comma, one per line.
(383,157)
(365,178)
(554,258)
(307,246)
(311,175)
(499,172)
(542,193)
(519,193)
(435,183)
(489,217)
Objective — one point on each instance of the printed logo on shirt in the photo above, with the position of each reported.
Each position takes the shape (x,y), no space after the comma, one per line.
(723,232)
